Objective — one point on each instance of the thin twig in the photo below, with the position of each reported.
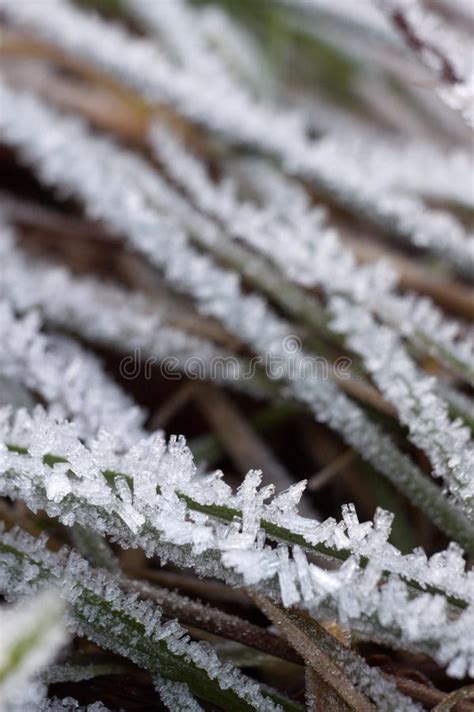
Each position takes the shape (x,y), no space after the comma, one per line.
(326,474)
(244,445)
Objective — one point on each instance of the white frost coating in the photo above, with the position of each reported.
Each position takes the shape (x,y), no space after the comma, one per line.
(317,257)
(459,401)
(447,443)
(157,222)
(103,313)
(204,41)
(70,379)
(156,517)
(409,167)
(369,680)
(89,591)
(176,695)
(240,53)
(69,704)
(38,624)
(395,210)
(139,63)
(297,239)
(239,118)
(178,27)
(441,42)
(295,236)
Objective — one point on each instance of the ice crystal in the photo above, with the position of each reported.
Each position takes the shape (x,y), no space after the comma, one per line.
(157,514)
(99,609)
(67,377)
(379,688)
(176,695)
(448,443)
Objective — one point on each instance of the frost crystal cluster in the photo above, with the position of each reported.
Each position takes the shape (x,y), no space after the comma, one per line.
(150,496)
